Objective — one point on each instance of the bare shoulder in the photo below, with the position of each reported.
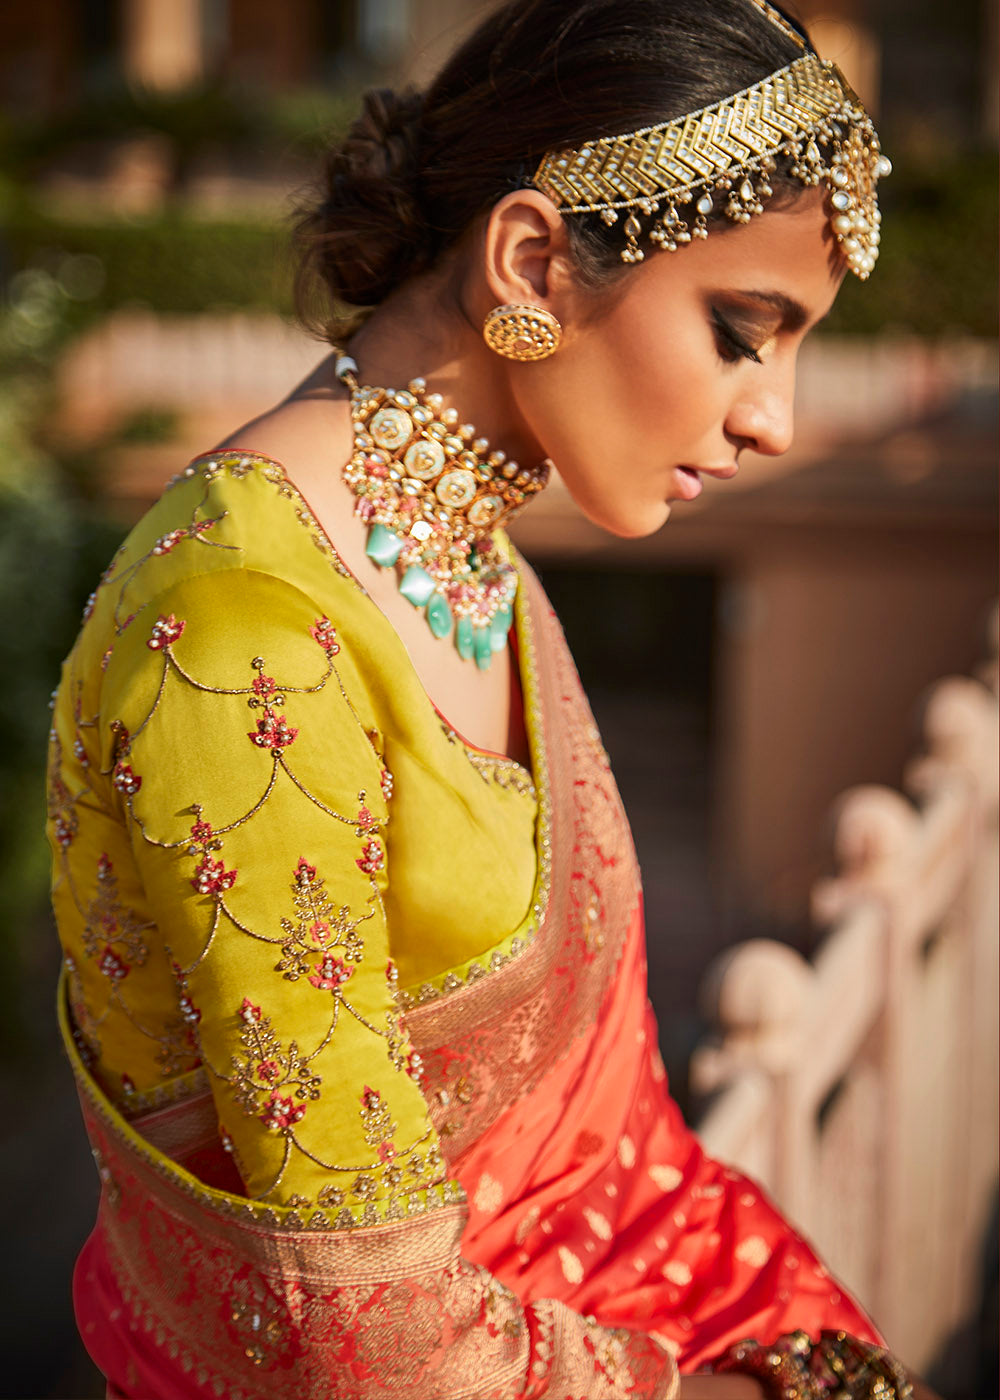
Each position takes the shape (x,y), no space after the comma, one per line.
(309,433)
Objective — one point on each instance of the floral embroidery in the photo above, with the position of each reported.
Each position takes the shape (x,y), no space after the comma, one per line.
(318,926)
(266,1068)
(168,542)
(107,923)
(272,1078)
(377,1123)
(324,632)
(281,1113)
(189,1012)
(210,876)
(60,803)
(264,687)
(166,630)
(125,780)
(111,964)
(371,859)
(273,730)
(331,973)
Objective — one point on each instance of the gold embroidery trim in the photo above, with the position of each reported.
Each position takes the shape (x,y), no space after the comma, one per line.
(237,1208)
(506,773)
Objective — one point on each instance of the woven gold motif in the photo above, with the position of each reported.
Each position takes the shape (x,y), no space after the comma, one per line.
(520,332)
(726,152)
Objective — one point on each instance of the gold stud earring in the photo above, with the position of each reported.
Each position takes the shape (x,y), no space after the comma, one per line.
(521,332)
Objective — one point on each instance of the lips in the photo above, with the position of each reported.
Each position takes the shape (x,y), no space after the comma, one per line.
(723,473)
(688,483)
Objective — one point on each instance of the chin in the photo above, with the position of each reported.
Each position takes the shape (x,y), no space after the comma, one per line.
(634,524)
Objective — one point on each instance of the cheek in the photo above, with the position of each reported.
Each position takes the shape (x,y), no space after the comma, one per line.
(611,448)
(624,401)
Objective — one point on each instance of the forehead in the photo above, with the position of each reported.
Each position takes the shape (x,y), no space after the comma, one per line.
(790,250)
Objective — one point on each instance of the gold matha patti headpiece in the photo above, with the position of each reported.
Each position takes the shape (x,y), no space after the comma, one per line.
(719,159)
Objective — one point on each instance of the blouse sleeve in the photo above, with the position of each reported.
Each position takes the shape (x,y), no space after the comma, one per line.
(240,743)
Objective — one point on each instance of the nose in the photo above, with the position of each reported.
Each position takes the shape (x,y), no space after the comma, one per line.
(763,416)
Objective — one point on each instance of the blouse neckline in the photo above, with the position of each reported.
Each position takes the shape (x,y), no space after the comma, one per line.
(524,657)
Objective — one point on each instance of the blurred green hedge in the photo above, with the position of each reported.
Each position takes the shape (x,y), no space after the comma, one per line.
(937,270)
(936,276)
(195,120)
(172,263)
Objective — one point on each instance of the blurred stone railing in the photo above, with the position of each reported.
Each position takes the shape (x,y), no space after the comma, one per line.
(846,387)
(861,1087)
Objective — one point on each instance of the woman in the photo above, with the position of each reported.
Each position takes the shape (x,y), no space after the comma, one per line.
(355,992)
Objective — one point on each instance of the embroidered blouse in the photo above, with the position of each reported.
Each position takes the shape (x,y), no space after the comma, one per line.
(286,868)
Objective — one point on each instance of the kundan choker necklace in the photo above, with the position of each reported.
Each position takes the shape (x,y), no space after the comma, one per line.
(431,492)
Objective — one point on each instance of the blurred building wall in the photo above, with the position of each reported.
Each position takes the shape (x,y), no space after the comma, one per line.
(924,67)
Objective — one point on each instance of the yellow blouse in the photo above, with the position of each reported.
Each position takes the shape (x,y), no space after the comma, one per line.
(267,840)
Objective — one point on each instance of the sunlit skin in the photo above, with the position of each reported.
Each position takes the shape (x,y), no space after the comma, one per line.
(685,362)
(653,373)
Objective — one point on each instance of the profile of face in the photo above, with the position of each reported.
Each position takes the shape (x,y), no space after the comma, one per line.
(677,367)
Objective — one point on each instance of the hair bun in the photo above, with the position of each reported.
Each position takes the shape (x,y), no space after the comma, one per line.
(367,233)
(384,141)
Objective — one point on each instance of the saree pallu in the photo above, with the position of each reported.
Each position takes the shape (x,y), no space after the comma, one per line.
(583,1239)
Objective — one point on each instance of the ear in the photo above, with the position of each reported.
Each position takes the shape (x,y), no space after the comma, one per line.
(526,250)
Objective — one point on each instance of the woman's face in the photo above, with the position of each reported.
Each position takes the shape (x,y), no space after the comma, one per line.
(678,367)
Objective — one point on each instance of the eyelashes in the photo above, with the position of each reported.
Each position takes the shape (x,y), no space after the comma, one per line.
(730,344)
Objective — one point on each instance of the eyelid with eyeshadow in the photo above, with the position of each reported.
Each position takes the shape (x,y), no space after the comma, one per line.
(731,336)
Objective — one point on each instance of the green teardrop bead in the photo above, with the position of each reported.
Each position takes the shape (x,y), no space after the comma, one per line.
(383,546)
(439,615)
(463,638)
(499,628)
(482,647)
(416,586)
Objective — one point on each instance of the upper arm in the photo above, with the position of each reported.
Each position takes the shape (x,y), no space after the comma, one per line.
(251,782)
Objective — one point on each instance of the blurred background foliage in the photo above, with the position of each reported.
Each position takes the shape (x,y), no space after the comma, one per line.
(940,215)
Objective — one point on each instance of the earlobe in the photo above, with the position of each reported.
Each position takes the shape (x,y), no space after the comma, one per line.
(525,236)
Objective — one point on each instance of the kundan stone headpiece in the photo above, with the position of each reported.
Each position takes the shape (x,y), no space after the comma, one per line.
(720,158)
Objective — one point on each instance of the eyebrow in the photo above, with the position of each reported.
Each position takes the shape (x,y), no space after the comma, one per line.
(793,314)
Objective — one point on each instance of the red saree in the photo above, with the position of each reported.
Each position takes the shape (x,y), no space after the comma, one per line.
(583,1240)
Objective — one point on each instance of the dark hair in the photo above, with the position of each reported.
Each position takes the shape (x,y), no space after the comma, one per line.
(415,170)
